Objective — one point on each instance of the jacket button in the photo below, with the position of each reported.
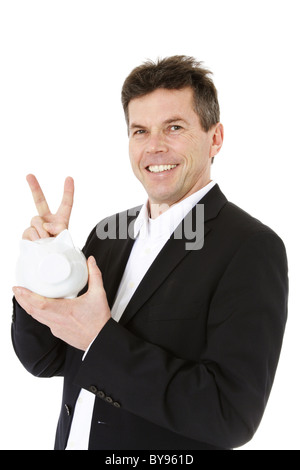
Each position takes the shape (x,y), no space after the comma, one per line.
(100,394)
(93,389)
(116,404)
(109,399)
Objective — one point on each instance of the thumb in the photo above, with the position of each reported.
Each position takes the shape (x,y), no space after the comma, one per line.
(95,277)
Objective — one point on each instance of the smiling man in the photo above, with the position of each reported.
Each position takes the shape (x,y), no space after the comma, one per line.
(170,153)
(167,347)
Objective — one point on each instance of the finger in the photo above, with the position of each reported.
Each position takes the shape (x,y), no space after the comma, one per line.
(95,277)
(28,300)
(38,196)
(54,228)
(38,224)
(66,205)
(41,308)
(30,234)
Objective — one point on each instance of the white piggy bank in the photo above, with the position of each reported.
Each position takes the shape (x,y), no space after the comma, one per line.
(52,267)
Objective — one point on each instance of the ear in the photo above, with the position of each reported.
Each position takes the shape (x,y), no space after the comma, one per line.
(65,238)
(216,139)
(28,246)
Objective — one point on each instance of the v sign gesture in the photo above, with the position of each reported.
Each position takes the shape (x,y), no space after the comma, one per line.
(46,224)
(76,321)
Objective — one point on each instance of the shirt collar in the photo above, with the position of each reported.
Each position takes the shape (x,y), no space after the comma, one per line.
(141,220)
(170,219)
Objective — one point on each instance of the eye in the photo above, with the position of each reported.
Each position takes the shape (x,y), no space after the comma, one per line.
(175,127)
(139,132)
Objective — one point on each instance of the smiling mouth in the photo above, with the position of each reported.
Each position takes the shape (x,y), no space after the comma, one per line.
(160,168)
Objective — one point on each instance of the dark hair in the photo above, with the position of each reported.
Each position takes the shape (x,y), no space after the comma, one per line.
(175,73)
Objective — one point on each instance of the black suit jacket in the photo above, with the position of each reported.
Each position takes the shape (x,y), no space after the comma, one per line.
(191,363)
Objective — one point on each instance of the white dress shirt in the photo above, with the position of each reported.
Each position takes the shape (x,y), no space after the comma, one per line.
(151,235)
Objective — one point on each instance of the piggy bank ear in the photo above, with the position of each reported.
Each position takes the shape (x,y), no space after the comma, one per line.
(28,246)
(65,238)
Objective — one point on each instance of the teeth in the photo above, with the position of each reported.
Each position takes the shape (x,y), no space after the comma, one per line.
(158,168)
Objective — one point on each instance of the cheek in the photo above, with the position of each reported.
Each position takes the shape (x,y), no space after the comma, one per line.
(197,150)
(134,159)
(132,155)
(184,145)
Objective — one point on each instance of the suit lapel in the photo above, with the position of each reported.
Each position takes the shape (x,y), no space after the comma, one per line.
(173,252)
(117,261)
(118,256)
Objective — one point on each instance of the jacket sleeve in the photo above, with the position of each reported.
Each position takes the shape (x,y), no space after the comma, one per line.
(38,350)
(219,399)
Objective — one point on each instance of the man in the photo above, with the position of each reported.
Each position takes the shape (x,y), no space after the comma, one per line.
(171,346)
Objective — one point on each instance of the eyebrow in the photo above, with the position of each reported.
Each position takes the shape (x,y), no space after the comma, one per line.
(174,119)
(136,126)
(167,121)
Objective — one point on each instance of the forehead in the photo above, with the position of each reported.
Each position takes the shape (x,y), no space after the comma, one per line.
(161,104)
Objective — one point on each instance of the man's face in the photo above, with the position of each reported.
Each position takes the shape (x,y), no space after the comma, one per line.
(169,152)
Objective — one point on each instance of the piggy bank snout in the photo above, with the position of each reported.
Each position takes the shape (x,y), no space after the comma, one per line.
(54,268)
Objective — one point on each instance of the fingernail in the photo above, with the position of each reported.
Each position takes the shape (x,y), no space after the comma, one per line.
(17,290)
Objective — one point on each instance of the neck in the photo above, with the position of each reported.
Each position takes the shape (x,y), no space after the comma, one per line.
(155,209)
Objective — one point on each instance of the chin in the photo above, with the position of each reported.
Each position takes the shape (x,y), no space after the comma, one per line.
(162,199)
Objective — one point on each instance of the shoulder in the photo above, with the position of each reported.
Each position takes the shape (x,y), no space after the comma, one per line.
(229,218)
(239,221)
(231,228)
(243,231)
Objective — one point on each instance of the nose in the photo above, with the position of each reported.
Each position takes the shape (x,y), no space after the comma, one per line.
(156,143)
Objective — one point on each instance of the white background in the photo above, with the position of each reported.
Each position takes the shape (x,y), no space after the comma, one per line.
(62,65)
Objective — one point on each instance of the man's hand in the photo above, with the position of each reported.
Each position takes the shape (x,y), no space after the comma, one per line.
(75,321)
(46,224)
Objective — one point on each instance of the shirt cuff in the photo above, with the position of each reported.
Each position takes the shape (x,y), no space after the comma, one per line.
(87,349)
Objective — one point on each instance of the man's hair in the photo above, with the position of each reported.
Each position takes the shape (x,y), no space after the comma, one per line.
(175,73)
